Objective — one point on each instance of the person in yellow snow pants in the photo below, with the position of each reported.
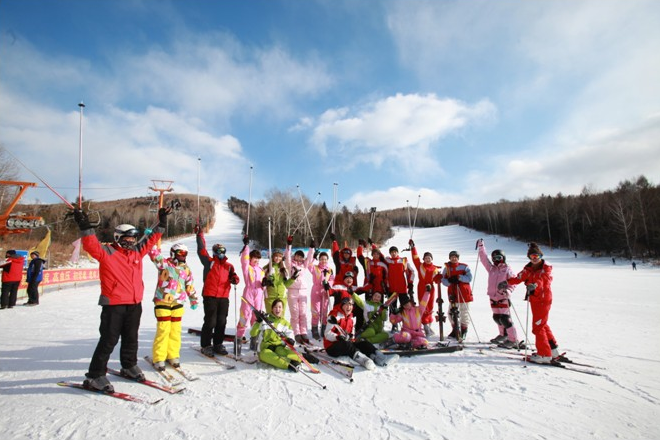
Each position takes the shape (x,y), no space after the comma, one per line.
(167,342)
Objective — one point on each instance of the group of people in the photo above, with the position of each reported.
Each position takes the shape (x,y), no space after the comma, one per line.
(12,274)
(354,325)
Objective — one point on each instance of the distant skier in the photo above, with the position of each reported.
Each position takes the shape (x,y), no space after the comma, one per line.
(634,266)
(499,292)
(122,289)
(12,273)
(537,276)
(34,275)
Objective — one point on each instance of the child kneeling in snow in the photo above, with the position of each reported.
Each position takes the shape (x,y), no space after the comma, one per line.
(338,338)
(412,329)
(272,350)
(374,332)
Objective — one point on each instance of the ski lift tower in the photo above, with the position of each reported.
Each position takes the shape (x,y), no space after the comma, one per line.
(161,187)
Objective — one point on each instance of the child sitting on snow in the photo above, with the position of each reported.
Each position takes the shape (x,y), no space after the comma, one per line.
(412,330)
(374,332)
(272,350)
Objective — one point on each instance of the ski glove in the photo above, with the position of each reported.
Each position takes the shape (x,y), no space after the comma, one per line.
(410,288)
(81,219)
(370,241)
(268,281)
(197,229)
(162,217)
(453,279)
(260,315)
(290,341)
(312,244)
(411,243)
(316,254)
(362,243)
(503,285)
(246,240)
(480,243)
(531,287)
(289,239)
(333,237)
(326,285)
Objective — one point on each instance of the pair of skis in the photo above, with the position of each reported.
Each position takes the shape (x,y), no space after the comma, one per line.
(165,374)
(115,394)
(339,367)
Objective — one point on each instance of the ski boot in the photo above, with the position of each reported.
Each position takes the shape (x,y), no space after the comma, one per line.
(315,333)
(293,366)
(538,359)
(382,360)
(100,383)
(428,331)
(498,339)
(453,334)
(508,344)
(254,344)
(395,328)
(305,340)
(159,366)
(174,362)
(208,351)
(299,339)
(363,360)
(134,373)
(220,349)
(390,342)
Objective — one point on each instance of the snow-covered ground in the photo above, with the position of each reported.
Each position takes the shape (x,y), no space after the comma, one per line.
(603,314)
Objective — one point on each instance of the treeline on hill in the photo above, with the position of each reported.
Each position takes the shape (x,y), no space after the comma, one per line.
(624,222)
(285,209)
(139,211)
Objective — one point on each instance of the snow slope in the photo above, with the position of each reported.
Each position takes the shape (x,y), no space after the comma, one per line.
(603,314)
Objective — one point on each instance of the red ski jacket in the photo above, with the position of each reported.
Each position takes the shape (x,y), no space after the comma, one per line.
(12,272)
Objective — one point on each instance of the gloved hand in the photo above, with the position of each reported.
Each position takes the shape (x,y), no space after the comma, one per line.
(411,243)
(453,279)
(531,287)
(290,341)
(316,254)
(81,219)
(168,298)
(268,281)
(343,337)
(370,241)
(289,240)
(452,298)
(260,315)
(410,288)
(428,287)
(162,216)
(233,278)
(326,285)
(246,240)
(362,243)
(296,273)
(480,243)
(193,302)
(197,229)
(333,237)
(503,285)
(312,244)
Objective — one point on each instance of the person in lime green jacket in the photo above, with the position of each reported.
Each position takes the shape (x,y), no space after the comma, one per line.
(272,350)
(373,333)
(277,280)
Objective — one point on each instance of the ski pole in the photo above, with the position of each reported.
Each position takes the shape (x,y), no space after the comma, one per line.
(80,156)
(299,369)
(334,207)
(236,320)
(247,226)
(409,221)
(332,220)
(305,216)
(518,318)
(270,250)
(371,221)
(415,221)
(526,329)
(199,167)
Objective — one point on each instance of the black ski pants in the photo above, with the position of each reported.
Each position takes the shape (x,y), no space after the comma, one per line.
(215,320)
(348,348)
(33,292)
(9,293)
(116,321)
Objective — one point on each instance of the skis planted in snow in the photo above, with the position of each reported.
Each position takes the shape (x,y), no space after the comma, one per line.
(568,367)
(150,383)
(115,394)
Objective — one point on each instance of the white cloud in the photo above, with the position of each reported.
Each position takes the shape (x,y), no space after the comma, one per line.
(399,130)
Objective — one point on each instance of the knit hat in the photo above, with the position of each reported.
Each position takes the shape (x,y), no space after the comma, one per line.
(35,253)
(534,249)
(427,254)
(454,253)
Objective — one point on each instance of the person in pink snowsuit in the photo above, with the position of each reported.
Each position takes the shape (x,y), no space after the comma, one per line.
(499,292)
(297,292)
(322,279)
(412,329)
(253,275)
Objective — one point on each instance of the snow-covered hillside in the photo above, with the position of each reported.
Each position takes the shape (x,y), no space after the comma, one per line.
(603,314)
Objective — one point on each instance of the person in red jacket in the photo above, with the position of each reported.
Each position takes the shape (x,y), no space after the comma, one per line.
(12,273)
(344,261)
(122,288)
(537,276)
(427,273)
(375,269)
(400,278)
(457,277)
(219,275)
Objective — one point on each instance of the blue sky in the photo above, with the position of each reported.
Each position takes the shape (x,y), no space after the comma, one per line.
(445,103)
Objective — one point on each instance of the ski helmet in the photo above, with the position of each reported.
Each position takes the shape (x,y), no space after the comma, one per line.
(122,232)
(498,255)
(219,250)
(179,250)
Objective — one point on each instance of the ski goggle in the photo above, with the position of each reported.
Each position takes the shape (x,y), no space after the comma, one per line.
(220,251)
(347,301)
(498,258)
(534,256)
(181,253)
